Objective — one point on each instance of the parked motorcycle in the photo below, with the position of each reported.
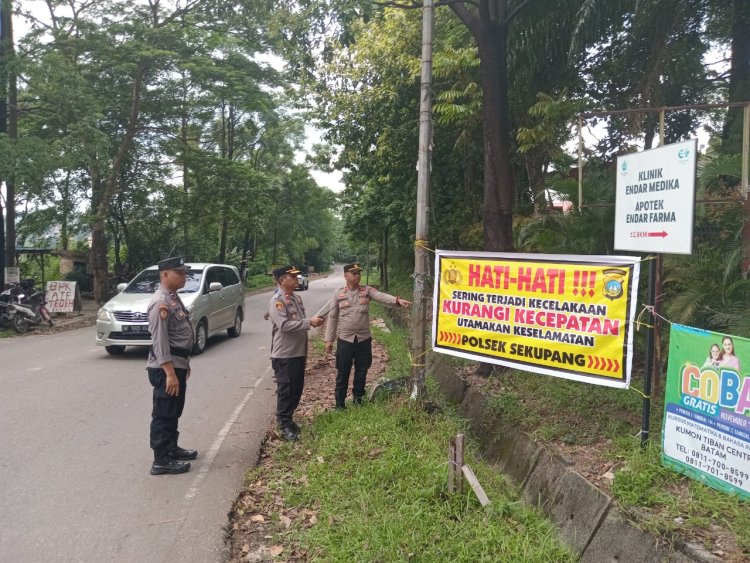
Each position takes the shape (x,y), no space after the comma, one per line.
(29,311)
(6,314)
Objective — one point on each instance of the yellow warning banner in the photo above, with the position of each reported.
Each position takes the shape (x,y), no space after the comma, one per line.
(562,315)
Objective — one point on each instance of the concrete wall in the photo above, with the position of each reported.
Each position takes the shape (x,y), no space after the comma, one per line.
(589,521)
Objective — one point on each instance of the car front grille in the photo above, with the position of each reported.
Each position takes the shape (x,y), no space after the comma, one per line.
(131,316)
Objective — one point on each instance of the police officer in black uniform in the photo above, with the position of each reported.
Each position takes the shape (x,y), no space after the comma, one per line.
(169,367)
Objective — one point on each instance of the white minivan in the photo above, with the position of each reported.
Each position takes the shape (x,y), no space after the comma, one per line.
(213,294)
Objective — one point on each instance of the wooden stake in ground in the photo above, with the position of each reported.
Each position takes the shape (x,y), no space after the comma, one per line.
(474,482)
(455,463)
(457,470)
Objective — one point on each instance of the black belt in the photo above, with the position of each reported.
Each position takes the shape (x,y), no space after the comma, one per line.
(181,352)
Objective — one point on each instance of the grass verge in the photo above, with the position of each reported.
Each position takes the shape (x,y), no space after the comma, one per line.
(370,484)
(603,423)
(375,477)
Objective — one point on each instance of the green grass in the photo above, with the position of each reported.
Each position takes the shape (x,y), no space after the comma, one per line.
(662,500)
(551,408)
(380,494)
(375,477)
(6,333)
(395,341)
(644,483)
(259,281)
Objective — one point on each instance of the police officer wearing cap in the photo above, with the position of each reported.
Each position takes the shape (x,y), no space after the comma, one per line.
(169,367)
(288,347)
(349,320)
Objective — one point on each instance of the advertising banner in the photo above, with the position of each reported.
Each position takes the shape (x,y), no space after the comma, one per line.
(560,315)
(706,431)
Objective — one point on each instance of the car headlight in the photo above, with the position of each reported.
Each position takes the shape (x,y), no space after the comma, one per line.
(102,315)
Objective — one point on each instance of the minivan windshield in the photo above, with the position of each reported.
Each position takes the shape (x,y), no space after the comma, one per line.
(148,280)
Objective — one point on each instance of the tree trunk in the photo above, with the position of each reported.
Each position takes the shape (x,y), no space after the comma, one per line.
(100,204)
(497,213)
(2,246)
(385,259)
(489,27)
(65,215)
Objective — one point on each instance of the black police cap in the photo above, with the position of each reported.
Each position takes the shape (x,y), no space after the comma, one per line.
(355,267)
(173,263)
(280,271)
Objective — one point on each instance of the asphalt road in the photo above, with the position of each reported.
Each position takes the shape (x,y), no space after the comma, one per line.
(74,453)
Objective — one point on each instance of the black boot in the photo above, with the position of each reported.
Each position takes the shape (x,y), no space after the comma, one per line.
(167,465)
(288,433)
(177,452)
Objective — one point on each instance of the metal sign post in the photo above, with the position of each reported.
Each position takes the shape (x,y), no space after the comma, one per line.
(654,209)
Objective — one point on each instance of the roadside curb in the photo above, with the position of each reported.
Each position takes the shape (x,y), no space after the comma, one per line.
(588,520)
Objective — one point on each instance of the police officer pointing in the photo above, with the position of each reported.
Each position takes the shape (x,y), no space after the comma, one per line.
(288,347)
(169,367)
(349,319)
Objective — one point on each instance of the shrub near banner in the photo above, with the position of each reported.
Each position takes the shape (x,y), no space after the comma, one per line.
(561,315)
(706,432)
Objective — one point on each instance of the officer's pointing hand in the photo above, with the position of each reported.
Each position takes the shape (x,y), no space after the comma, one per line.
(404,303)
(316,321)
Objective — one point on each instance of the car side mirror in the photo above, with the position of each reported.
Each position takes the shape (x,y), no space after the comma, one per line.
(121,286)
(215,286)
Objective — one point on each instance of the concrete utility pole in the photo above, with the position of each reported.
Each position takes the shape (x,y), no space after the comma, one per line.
(424,165)
(9,89)
(3,129)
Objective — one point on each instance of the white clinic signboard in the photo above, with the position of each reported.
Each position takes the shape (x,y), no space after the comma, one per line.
(655,199)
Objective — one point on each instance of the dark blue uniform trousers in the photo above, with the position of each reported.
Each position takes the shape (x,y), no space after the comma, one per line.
(348,353)
(166,411)
(290,381)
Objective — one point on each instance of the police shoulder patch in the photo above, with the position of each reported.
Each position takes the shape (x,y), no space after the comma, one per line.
(163,312)
(279,305)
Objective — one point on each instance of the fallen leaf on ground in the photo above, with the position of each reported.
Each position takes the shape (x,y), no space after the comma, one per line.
(257,518)
(276,550)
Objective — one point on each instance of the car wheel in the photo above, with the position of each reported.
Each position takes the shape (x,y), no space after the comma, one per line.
(114,350)
(236,329)
(201,335)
